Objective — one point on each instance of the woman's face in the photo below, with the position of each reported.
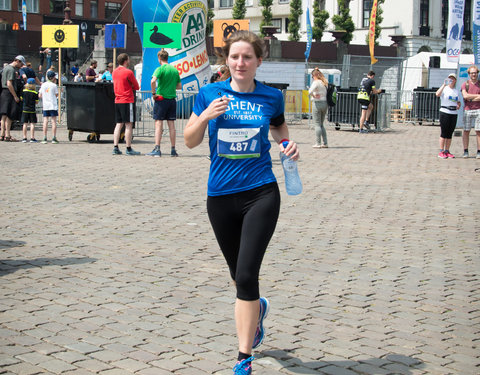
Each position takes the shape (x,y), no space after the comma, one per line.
(243,62)
(453,82)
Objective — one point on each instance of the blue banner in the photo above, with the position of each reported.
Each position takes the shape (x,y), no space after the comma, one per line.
(24,14)
(309,35)
(476,32)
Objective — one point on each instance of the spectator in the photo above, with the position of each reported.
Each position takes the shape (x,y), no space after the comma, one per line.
(124,86)
(79,77)
(27,72)
(73,71)
(450,103)
(165,83)
(107,74)
(91,75)
(49,94)
(471,114)
(367,88)
(215,77)
(9,101)
(48,56)
(318,94)
(29,114)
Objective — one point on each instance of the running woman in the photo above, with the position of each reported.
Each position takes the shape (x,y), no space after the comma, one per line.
(243,200)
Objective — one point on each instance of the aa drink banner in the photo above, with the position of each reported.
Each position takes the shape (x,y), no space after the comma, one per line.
(455,29)
(476,32)
(371,32)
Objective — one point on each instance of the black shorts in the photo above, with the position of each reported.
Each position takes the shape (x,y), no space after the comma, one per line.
(8,105)
(165,109)
(364,103)
(29,118)
(448,122)
(125,112)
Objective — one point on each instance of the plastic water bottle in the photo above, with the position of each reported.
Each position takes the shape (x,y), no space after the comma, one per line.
(293,184)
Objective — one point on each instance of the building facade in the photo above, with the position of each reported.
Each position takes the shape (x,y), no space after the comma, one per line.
(420,25)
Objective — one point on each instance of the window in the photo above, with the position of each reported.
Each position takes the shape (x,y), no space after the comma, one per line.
(79,8)
(424,24)
(93,9)
(444,17)
(367,9)
(467,20)
(5,5)
(283,1)
(32,6)
(226,3)
(277,22)
(56,6)
(112,10)
(249,3)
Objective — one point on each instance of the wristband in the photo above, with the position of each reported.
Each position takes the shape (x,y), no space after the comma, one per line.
(284,140)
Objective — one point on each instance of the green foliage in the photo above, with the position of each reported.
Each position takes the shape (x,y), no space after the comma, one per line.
(343,21)
(320,18)
(239,10)
(378,21)
(266,13)
(294,24)
(210,16)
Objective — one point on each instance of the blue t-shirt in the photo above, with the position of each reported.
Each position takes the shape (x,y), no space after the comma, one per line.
(238,139)
(107,76)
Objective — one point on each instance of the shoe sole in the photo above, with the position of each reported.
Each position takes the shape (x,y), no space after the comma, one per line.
(260,325)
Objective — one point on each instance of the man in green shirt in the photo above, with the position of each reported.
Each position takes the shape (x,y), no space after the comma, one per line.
(165,83)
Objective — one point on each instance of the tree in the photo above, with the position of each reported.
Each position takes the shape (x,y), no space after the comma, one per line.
(239,10)
(210,16)
(294,24)
(343,20)
(378,21)
(320,18)
(266,13)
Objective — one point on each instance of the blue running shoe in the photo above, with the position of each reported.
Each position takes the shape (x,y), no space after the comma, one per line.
(155,153)
(116,151)
(243,367)
(260,332)
(132,152)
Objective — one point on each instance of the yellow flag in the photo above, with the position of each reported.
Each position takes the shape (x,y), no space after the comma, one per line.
(60,36)
(371,32)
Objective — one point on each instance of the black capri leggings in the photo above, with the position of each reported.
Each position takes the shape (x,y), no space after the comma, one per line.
(243,224)
(448,122)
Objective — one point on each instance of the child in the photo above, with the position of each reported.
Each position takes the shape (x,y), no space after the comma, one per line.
(49,93)
(29,116)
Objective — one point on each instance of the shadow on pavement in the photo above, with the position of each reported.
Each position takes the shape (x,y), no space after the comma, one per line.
(391,363)
(5,244)
(8,266)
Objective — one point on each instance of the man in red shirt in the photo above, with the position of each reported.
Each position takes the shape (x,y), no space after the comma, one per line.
(471,113)
(124,85)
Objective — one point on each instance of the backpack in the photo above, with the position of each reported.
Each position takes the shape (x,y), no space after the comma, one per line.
(331,95)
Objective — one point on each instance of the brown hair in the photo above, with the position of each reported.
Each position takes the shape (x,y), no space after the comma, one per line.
(122,58)
(239,36)
(163,55)
(472,66)
(318,74)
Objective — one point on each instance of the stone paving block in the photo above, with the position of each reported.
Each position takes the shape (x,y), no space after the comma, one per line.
(56,366)
(24,369)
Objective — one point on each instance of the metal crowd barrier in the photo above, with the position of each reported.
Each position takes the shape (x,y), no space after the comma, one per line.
(416,107)
(145,125)
(347,111)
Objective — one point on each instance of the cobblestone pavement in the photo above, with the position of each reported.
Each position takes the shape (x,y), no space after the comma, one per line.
(109,265)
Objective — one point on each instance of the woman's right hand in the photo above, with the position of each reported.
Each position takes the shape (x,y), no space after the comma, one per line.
(216,108)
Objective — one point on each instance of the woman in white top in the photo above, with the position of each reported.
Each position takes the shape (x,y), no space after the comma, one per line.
(450,103)
(318,94)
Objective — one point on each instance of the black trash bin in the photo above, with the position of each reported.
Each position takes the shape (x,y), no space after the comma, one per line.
(90,108)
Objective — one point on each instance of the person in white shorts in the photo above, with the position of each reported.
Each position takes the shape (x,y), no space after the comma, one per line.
(471,115)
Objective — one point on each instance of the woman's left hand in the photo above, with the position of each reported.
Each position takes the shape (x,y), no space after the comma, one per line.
(291,150)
